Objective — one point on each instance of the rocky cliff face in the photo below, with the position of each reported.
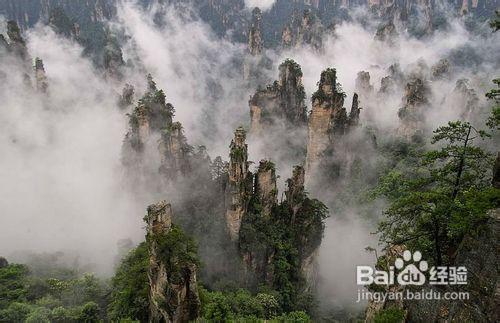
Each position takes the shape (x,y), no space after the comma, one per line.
(15,51)
(174,151)
(239,187)
(173,294)
(15,44)
(362,85)
(328,120)
(412,114)
(387,33)
(126,99)
(308,31)
(496,172)
(390,83)
(268,226)
(113,58)
(149,117)
(265,187)
(441,70)
(255,34)
(40,77)
(281,102)
(465,99)
(295,192)
(479,254)
(279,116)
(294,195)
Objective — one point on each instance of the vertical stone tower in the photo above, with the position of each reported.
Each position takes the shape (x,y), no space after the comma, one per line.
(239,188)
(173,297)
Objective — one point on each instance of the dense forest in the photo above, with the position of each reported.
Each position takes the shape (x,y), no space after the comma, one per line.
(235,161)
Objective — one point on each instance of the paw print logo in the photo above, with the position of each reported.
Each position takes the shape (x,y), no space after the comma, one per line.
(411,274)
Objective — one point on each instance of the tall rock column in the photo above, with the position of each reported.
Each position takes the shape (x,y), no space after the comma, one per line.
(239,188)
(280,103)
(255,33)
(295,192)
(173,294)
(328,118)
(40,77)
(174,152)
(415,103)
(17,43)
(308,246)
(265,187)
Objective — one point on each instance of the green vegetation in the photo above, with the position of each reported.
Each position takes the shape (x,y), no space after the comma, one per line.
(494,95)
(130,286)
(289,236)
(443,197)
(329,77)
(238,154)
(294,67)
(176,250)
(390,315)
(495,23)
(242,306)
(25,297)
(267,165)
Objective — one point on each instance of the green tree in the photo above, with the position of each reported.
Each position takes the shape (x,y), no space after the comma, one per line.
(39,315)
(89,313)
(217,308)
(390,315)
(244,304)
(15,312)
(494,95)
(495,22)
(130,287)
(295,317)
(61,315)
(269,304)
(13,284)
(430,205)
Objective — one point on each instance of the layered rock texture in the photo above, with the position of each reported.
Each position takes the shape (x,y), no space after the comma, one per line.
(14,43)
(113,58)
(281,103)
(415,104)
(479,254)
(255,44)
(279,116)
(150,122)
(239,185)
(174,152)
(307,30)
(17,44)
(390,83)
(42,84)
(328,121)
(496,172)
(173,294)
(465,99)
(274,235)
(14,51)
(126,99)
(265,187)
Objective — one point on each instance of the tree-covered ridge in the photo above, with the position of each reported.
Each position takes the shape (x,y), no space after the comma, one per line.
(28,297)
(276,246)
(443,197)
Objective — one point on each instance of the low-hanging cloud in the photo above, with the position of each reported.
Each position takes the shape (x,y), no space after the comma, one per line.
(60,167)
(60,158)
(262,4)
